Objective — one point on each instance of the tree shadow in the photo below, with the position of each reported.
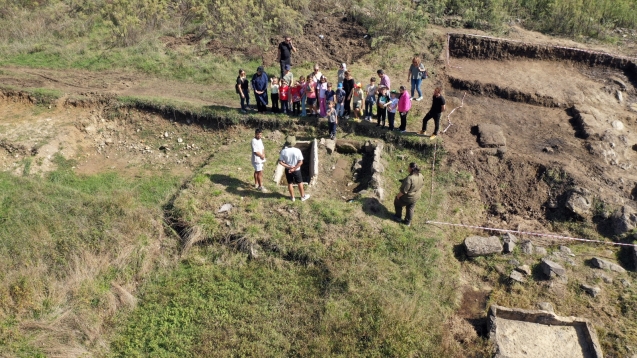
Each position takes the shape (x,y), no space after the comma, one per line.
(237,187)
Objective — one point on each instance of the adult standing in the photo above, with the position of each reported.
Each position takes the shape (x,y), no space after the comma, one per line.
(315,79)
(258,159)
(285,53)
(384,79)
(438,105)
(291,159)
(260,86)
(409,193)
(243,90)
(348,87)
(415,76)
(404,105)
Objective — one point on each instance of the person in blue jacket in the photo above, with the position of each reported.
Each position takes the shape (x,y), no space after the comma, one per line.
(260,83)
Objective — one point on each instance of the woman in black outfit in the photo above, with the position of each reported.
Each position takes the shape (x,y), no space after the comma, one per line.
(243,91)
(348,86)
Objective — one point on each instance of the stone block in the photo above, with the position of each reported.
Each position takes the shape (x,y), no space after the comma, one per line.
(491,136)
(481,246)
(606,265)
(591,290)
(517,277)
(624,220)
(552,269)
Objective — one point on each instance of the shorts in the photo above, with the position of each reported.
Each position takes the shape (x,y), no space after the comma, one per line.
(357,104)
(310,101)
(294,178)
(258,167)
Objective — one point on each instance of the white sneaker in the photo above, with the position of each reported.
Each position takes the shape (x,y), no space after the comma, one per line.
(293,199)
(305,197)
(419,98)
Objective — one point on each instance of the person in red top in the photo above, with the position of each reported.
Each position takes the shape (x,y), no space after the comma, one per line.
(284,96)
(295,93)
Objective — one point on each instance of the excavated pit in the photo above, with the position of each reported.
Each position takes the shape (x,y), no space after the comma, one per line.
(309,168)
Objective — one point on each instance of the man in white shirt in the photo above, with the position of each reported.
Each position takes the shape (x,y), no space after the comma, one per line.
(258,158)
(291,159)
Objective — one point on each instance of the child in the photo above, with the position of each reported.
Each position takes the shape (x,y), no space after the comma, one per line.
(340,75)
(340,100)
(329,94)
(274,90)
(370,99)
(303,97)
(322,89)
(284,96)
(332,119)
(357,97)
(381,107)
(404,105)
(296,98)
(391,109)
(310,93)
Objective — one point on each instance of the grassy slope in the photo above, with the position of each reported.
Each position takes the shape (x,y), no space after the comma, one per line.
(327,280)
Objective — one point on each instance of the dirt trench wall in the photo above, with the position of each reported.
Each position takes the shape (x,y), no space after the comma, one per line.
(489,48)
(495,91)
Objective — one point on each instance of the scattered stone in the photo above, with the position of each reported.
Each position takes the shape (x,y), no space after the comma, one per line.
(552,269)
(166,134)
(480,246)
(606,265)
(566,251)
(401,157)
(514,262)
(579,202)
(603,277)
(591,290)
(625,282)
(525,269)
(491,136)
(546,306)
(322,142)
(527,248)
(330,146)
(539,250)
(618,125)
(624,220)
(225,207)
(548,150)
(179,140)
(380,193)
(620,97)
(517,276)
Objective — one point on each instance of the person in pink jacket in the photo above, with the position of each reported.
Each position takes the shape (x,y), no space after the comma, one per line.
(404,105)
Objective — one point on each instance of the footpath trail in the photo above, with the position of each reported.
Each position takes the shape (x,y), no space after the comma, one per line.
(115,82)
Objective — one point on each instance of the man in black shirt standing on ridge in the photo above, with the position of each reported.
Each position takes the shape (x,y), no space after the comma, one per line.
(285,53)
(438,105)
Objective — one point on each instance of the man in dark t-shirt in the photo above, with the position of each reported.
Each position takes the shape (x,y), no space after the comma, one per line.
(438,105)
(285,53)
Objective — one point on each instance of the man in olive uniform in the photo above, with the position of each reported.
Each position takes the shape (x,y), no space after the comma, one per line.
(409,194)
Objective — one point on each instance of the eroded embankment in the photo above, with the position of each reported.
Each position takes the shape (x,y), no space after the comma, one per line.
(495,91)
(488,48)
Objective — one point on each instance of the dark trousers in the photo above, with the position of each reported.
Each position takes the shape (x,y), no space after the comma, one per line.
(400,203)
(332,128)
(275,102)
(261,106)
(436,117)
(245,102)
(296,108)
(381,114)
(403,121)
(283,63)
(348,107)
(391,117)
(284,106)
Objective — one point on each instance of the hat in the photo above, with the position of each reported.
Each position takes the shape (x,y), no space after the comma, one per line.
(287,67)
(358,85)
(260,69)
(344,66)
(290,141)
(393,91)
(340,85)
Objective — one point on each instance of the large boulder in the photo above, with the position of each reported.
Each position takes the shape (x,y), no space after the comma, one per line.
(491,136)
(606,265)
(348,146)
(552,269)
(330,146)
(624,220)
(579,202)
(481,246)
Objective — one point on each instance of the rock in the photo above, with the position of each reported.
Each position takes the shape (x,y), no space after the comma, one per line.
(376,181)
(622,85)
(606,265)
(224,208)
(579,202)
(548,150)
(620,97)
(401,157)
(491,136)
(322,142)
(380,193)
(625,282)
(510,237)
(517,276)
(546,306)
(514,262)
(166,134)
(348,146)
(330,146)
(591,290)
(480,246)
(377,167)
(566,251)
(539,250)
(179,140)
(618,125)
(358,165)
(527,247)
(624,220)
(603,277)
(508,246)
(525,269)
(552,269)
